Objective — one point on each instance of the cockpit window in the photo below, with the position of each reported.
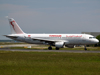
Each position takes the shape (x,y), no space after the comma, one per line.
(91,37)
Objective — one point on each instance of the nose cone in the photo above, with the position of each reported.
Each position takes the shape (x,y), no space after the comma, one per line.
(96,41)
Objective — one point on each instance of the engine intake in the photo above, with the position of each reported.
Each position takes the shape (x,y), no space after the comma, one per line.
(59,44)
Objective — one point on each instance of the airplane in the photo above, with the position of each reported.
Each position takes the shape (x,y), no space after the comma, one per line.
(57,40)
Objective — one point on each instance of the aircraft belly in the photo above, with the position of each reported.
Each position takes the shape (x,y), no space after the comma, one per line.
(34,42)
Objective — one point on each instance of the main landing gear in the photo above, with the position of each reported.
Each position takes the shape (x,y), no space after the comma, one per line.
(50,48)
(57,48)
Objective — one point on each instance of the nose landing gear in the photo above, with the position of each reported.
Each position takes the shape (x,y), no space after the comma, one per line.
(85,47)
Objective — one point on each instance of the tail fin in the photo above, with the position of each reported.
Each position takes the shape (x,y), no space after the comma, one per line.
(14,26)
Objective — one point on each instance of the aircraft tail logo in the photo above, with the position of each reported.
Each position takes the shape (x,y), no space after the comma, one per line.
(15,28)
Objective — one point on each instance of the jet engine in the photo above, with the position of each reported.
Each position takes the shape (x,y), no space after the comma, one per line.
(59,44)
(70,46)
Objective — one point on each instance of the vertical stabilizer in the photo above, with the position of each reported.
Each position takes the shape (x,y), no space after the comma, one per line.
(15,29)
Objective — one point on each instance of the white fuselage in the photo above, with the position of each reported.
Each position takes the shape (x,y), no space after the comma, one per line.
(68,39)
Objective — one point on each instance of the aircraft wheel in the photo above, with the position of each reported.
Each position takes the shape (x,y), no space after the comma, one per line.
(57,48)
(50,48)
(85,47)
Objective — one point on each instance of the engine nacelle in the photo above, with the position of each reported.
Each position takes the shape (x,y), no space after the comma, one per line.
(59,44)
(70,46)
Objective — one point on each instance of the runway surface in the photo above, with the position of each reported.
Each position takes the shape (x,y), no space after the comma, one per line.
(68,51)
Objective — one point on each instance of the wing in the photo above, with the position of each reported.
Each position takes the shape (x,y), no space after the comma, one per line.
(48,40)
(44,40)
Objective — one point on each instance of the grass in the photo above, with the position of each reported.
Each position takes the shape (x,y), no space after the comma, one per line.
(49,63)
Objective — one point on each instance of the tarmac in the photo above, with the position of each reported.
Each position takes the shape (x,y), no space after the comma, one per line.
(68,51)
(7,48)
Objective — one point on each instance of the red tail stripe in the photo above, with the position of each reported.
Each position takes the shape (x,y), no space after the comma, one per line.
(12,24)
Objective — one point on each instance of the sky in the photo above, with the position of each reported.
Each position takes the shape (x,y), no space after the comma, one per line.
(50,16)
